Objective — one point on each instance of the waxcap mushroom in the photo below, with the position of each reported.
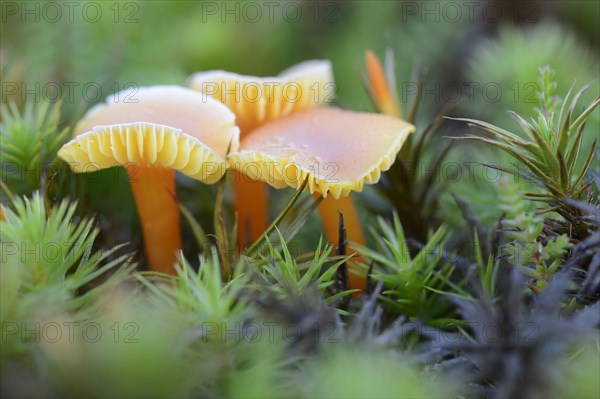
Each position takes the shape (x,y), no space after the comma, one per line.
(153,132)
(165,126)
(338,150)
(256,100)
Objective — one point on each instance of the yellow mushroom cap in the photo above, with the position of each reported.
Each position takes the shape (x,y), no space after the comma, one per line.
(167,126)
(339,151)
(256,100)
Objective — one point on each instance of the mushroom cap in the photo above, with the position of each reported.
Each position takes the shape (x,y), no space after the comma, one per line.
(339,151)
(256,100)
(166,126)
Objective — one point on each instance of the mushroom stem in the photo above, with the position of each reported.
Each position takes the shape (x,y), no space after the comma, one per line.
(154,192)
(329,208)
(251,201)
(380,88)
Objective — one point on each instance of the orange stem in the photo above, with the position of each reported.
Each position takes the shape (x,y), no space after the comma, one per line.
(251,204)
(329,208)
(154,192)
(380,89)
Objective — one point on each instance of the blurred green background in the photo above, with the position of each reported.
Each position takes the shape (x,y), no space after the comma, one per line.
(485,52)
(116,43)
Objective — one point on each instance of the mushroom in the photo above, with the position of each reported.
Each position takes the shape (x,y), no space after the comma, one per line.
(153,132)
(337,150)
(255,101)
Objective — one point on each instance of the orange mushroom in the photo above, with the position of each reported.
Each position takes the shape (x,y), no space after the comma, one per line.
(255,101)
(338,151)
(153,132)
